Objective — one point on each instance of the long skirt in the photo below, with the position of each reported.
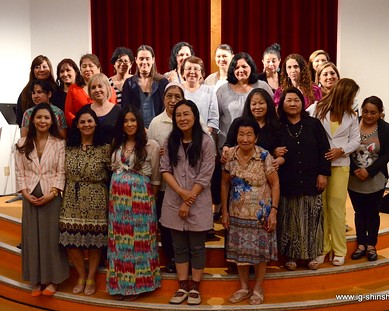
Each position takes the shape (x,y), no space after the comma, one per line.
(133,262)
(300,226)
(43,260)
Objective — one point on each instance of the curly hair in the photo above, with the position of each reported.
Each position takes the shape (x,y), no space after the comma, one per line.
(174,52)
(305,81)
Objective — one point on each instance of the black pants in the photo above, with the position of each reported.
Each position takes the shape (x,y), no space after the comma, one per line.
(367,215)
(166,237)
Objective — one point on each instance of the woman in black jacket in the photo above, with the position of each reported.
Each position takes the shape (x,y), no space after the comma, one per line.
(369,176)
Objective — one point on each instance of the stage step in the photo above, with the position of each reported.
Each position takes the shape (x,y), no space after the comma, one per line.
(284,290)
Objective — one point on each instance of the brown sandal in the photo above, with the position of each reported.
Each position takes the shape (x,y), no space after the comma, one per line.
(257,297)
(242,294)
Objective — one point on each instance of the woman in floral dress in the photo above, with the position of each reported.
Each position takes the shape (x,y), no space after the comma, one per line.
(250,176)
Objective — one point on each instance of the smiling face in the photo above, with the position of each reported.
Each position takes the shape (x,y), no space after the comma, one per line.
(185,118)
(86,124)
(258,106)
(370,114)
(192,72)
(42,71)
(246,138)
(242,70)
(122,64)
(88,69)
(67,74)
(293,70)
(144,60)
(328,77)
(171,98)
(292,105)
(39,95)
(98,90)
(182,54)
(271,62)
(319,59)
(42,121)
(130,124)
(223,59)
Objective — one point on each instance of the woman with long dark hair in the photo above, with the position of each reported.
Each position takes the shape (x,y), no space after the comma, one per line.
(40,176)
(187,167)
(133,264)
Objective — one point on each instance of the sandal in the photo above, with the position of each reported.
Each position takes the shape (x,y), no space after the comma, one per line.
(131,297)
(50,290)
(291,265)
(242,294)
(179,296)
(79,288)
(90,287)
(257,297)
(194,297)
(314,264)
(338,261)
(36,290)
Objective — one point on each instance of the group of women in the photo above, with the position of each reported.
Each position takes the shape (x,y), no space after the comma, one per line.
(267,148)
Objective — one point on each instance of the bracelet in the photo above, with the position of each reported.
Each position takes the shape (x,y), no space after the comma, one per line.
(275,207)
(54,191)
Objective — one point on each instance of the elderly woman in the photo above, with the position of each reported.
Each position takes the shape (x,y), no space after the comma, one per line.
(369,174)
(303,178)
(252,182)
(187,166)
(83,220)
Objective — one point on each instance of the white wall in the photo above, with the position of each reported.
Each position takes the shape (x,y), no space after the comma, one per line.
(363,46)
(55,28)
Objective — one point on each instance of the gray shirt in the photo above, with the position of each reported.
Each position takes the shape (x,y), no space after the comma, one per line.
(200,213)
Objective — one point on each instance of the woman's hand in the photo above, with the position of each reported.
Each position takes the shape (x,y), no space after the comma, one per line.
(280,152)
(223,159)
(361,173)
(187,196)
(44,199)
(334,153)
(321,182)
(271,221)
(183,212)
(226,220)
(277,162)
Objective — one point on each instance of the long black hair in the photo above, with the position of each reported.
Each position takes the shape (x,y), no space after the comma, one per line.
(174,139)
(28,145)
(74,136)
(140,136)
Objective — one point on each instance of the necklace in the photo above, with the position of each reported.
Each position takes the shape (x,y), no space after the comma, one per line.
(39,149)
(294,135)
(366,136)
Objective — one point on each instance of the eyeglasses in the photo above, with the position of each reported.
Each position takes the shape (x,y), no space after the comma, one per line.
(192,69)
(123,62)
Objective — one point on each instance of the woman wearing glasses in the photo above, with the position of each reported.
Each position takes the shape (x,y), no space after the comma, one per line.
(122,60)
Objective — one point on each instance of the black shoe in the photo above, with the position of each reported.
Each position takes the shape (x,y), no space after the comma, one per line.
(358,254)
(19,246)
(211,234)
(217,215)
(171,266)
(372,254)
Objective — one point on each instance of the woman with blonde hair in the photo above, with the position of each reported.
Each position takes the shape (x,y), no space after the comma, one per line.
(341,125)
(316,59)
(326,76)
